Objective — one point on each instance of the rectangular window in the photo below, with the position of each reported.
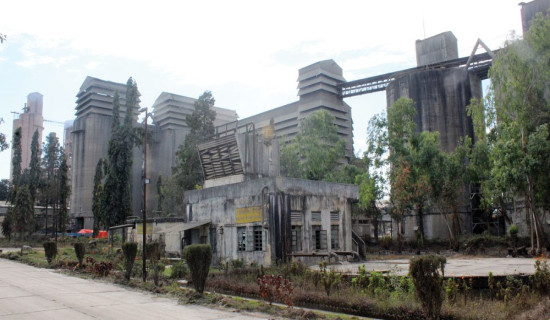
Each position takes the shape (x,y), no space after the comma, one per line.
(319,238)
(258,238)
(316,216)
(241,238)
(296,216)
(335,216)
(334,230)
(296,234)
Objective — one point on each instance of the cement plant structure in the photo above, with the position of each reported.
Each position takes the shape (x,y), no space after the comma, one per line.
(441,86)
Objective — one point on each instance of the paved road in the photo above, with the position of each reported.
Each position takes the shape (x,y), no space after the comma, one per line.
(465,266)
(33,293)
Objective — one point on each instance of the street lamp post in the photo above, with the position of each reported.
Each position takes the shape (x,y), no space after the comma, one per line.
(145,182)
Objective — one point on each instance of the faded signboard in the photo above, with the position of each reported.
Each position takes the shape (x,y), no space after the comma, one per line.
(248,214)
(140,228)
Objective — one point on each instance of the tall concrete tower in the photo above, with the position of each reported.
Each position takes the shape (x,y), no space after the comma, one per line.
(440,95)
(91,132)
(29,121)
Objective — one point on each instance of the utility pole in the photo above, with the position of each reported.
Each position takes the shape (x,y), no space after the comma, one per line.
(145,182)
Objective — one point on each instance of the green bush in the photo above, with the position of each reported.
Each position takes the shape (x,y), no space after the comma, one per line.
(427,275)
(50,249)
(79,250)
(179,270)
(198,257)
(385,242)
(153,252)
(541,278)
(129,249)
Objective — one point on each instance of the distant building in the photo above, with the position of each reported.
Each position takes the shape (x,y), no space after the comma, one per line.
(30,120)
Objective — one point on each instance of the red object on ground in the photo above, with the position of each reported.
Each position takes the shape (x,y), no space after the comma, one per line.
(85,231)
(102,234)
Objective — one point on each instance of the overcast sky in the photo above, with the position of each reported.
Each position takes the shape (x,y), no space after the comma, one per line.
(246,52)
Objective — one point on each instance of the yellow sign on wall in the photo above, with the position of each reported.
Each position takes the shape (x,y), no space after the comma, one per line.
(248,214)
(140,228)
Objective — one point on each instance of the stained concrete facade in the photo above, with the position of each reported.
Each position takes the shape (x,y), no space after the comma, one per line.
(317,89)
(273,219)
(30,120)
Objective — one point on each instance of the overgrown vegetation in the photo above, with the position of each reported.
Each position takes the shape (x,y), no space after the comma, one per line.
(369,293)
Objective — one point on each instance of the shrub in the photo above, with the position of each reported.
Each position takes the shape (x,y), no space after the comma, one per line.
(329,278)
(541,278)
(513,230)
(237,263)
(179,270)
(153,252)
(129,249)
(198,257)
(275,287)
(385,242)
(50,249)
(79,250)
(427,279)
(101,269)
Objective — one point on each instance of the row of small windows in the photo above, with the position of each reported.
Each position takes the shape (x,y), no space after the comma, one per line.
(296,216)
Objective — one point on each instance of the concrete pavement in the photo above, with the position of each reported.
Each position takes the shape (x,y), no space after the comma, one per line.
(33,293)
(455,266)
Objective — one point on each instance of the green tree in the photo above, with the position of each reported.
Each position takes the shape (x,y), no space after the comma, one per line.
(4,189)
(160,194)
(373,182)
(519,101)
(50,164)
(395,143)
(23,211)
(117,202)
(34,166)
(7,224)
(64,191)
(3,142)
(173,199)
(97,196)
(15,164)
(315,153)
(411,156)
(188,171)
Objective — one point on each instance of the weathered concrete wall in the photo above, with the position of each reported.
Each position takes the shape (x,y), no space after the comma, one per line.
(89,134)
(438,48)
(276,204)
(440,97)
(530,9)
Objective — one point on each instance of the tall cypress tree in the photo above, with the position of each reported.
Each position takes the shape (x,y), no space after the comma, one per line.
(15,162)
(188,171)
(117,202)
(97,196)
(34,166)
(50,163)
(64,190)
